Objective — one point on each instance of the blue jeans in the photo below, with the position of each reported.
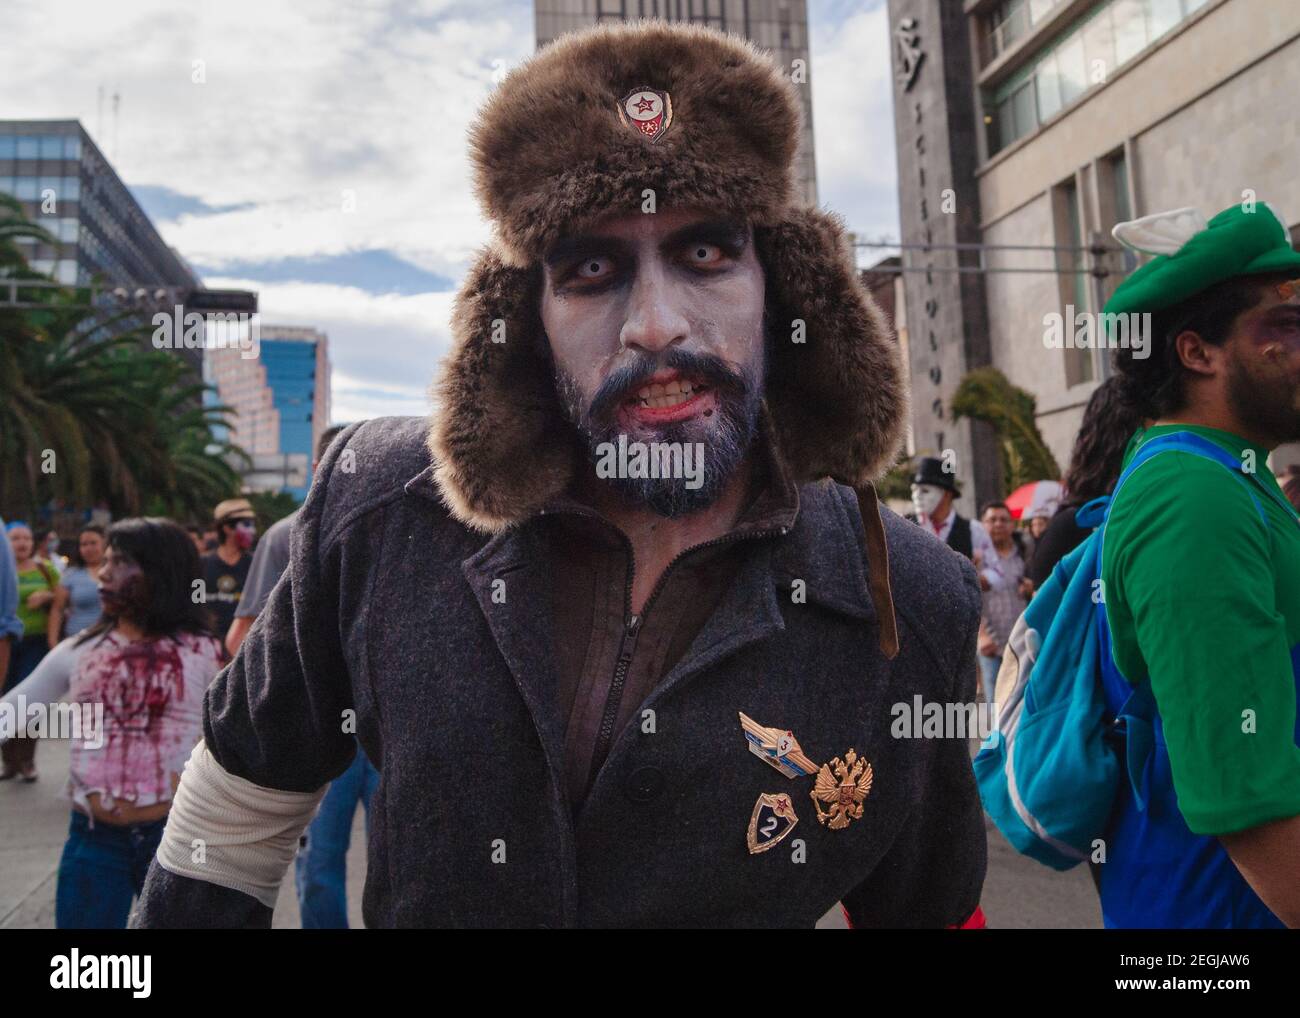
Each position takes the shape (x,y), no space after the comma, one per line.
(101,870)
(989,667)
(320,869)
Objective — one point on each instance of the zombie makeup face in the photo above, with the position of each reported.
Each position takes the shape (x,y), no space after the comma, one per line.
(123,587)
(245,534)
(1264,364)
(656,331)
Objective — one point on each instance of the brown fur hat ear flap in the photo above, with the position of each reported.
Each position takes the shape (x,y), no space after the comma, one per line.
(501,444)
(839,398)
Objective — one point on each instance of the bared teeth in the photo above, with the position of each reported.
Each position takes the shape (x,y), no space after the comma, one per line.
(674,392)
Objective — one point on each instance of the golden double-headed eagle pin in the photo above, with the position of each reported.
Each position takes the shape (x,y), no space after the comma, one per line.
(838,792)
(842,785)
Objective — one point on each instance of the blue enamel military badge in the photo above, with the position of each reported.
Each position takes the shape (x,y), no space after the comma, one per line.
(773,819)
(777,747)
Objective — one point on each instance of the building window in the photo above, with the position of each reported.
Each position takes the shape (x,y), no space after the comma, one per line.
(707,12)
(607,10)
(1078,362)
(1048,83)
(1130,21)
(1085,55)
(1009,21)
(1006,24)
(1123,207)
(1016,112)
(1163,15)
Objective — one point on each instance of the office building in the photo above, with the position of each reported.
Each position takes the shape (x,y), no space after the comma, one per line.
(281,404)
(1026,129)
(101,233)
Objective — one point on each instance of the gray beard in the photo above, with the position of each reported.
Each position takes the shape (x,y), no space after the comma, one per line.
(725,448)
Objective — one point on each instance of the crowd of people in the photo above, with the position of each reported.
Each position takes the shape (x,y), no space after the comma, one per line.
(602,700)
(117,624)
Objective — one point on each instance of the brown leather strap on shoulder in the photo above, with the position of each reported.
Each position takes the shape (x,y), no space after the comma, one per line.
(878,567)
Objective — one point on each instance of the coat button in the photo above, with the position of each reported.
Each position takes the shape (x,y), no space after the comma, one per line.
(644,784)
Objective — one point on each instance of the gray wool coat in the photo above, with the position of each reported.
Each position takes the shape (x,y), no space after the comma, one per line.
(387,609)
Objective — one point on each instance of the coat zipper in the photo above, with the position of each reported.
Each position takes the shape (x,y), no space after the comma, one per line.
(627,646)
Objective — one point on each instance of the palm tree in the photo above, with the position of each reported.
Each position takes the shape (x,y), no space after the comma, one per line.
(13,225)
(104,414)
(86,406)
(986,395)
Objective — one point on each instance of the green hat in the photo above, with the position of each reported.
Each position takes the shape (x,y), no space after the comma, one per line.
(1192,255)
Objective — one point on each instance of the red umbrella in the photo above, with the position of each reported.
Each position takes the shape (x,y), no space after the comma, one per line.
(1036,495)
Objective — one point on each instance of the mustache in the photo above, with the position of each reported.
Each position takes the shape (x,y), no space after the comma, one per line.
(708,368)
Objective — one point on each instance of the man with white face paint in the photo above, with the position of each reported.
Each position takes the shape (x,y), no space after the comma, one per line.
(606,699)
(933,491)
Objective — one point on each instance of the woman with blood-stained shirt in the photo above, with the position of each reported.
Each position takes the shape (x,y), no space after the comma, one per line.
(136,681)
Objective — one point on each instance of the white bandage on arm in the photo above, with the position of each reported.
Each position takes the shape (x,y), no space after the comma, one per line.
(230,832)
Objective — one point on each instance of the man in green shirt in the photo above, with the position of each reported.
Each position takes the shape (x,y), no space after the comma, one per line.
(1201,577)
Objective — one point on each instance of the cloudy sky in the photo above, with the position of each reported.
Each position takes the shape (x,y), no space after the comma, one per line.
(321,158)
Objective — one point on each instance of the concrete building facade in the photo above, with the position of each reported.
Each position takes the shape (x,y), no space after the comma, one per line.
(1095,111)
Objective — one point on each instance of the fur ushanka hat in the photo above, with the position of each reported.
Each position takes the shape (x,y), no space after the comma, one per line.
(580,131)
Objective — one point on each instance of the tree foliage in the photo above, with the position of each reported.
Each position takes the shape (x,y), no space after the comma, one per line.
(90,412)
(986,395)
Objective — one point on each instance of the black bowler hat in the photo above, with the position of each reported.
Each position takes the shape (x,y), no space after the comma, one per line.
(930,471)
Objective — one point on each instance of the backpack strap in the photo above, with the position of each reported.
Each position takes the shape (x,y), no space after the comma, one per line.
(45,574)
(1190,442)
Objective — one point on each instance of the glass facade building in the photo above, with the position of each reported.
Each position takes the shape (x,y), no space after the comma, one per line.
(1081,54)
(67,186)
(778,26)
(296,362)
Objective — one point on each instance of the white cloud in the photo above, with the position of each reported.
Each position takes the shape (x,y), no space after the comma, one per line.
(303,102)
(300,103)
(384,348)
(853,119)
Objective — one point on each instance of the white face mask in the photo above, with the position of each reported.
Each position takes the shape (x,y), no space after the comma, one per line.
(925,499)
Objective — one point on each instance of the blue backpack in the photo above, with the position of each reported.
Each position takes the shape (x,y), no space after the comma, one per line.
(1049,772)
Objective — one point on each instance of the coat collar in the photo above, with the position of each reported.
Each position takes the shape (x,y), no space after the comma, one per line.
(820,545)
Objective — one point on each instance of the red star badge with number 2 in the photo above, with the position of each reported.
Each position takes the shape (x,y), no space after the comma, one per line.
(647,110)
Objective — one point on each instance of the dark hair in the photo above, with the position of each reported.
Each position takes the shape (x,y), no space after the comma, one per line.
(1109,421)
(170,562)
(1155,385)
(74,555)
(992,505)
(326,437)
